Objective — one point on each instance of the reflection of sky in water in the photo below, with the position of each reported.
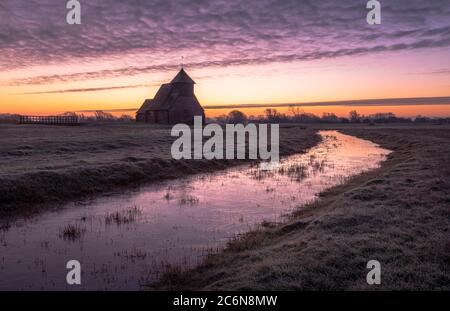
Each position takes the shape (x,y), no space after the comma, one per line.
(126,239)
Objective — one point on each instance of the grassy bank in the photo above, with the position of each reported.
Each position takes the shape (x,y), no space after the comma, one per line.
(398,214)
(45,164)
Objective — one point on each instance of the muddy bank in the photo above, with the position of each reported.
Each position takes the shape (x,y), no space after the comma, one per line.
(398,214)
(41,165)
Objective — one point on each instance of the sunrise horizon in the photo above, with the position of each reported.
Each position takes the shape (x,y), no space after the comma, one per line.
(108,61)
(422,106)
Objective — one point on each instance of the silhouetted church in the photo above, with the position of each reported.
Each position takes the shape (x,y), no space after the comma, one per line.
(175,102)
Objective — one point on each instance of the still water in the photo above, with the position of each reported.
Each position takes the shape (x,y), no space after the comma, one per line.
(123,240)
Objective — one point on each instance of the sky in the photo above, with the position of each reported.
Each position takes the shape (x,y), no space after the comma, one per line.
(238,52)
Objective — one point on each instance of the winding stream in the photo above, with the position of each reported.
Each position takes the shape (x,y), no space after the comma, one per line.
(124,240)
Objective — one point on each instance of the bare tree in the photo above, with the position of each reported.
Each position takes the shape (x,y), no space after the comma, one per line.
(236,116)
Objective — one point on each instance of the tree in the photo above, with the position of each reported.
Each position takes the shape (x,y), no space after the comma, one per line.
(295,112)
(236,116)
(272,115)
(330,117)
(103,116)
(354,116)
(126,118)
(69,114)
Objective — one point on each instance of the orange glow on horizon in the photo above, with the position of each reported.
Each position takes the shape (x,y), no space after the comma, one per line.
(343,111)
(386,75)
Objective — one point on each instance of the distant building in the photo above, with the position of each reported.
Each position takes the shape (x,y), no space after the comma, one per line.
(175,102)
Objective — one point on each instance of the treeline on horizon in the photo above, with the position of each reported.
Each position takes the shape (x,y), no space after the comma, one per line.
(294,115)
(297,115)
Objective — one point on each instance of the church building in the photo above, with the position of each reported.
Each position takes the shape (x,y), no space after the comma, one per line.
(175,102)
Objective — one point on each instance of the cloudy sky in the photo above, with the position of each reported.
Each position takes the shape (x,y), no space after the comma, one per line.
(239,52)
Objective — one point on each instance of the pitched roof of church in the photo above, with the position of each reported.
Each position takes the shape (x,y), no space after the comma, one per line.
(166,96)
(161,101)
(145,106)
(182,77)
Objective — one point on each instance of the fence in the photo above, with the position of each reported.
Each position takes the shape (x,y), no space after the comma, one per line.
(49,120)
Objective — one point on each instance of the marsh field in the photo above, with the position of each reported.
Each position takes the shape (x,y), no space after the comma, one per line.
(42,164)
(397,212)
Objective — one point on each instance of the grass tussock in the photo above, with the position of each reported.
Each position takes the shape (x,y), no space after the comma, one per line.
(123,217)
(5,226)
(189,200)
(72,232)
(174,275)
